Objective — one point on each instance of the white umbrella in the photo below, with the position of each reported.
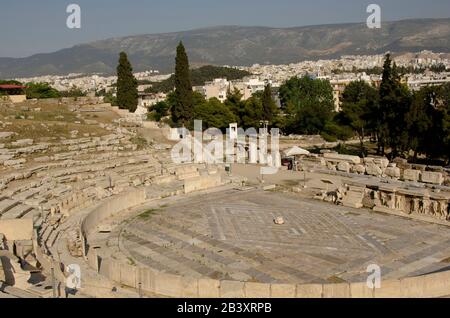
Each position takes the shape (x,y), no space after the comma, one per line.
(296,151)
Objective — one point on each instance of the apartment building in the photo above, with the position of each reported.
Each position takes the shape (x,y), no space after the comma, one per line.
(220,87)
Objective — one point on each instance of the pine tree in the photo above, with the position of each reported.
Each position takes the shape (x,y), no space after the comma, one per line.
(395,102)
(127,93)
(183,108)
(445,97)
(235,103)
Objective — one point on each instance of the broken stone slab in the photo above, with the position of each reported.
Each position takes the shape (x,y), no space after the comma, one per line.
(75,141)
(411,175)
(337,158)
(343,166)
(42,159)
(270,187)
(6,134)
(22,142)
(373,169)
(23,248)
(432,177)
(9,163)
(360,169)
(393,172)
(354,197)
(400,161)
(419,167)
(4,158)
(137,182)
(379,161)
(436,169)
(32,149)
(278,220)
(331,166)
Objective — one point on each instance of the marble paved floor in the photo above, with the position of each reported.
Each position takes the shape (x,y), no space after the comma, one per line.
(231,235)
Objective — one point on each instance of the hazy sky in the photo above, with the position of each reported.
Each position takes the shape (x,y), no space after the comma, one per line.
(35,26)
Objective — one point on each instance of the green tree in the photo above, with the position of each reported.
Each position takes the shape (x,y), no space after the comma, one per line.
(395,101)
(108,96)
(333,131)
(127,93)
(435,140)
(386,88)
(73,92)
(159,110)
(308,104)
(41,91)
(253,113)
(444,96)
(171,100)
(182,111)
(214,114)
(359,105)
(419,121)
(235,103)
(269,106)
(10,82)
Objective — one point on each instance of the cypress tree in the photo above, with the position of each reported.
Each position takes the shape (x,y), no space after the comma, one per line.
(127,93)
(183,108)
(385,91)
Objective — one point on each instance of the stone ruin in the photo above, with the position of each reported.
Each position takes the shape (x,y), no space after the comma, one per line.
(379,167)
(397,187)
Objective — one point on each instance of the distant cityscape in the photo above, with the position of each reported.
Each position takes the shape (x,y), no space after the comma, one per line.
(420,69)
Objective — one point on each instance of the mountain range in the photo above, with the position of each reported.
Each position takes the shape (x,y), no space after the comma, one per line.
(237,45)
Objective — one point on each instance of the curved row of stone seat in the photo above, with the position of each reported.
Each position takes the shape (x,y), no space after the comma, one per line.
(77,166)
(49,178)
(53,182)
(14,157)
(55,211)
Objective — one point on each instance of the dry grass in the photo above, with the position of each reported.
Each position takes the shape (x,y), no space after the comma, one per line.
(51,121)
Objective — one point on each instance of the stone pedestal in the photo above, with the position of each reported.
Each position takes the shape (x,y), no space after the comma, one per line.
(354,197)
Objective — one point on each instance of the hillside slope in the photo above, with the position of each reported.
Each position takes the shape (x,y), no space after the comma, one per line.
(235,45)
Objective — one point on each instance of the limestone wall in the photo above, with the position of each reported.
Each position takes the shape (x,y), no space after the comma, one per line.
(152,281)
(110,208)
(17,98)
(17,229)
(202,183)
(120,112)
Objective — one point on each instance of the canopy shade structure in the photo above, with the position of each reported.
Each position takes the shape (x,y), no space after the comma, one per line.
(11,86)
(296,151)
(12,89)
